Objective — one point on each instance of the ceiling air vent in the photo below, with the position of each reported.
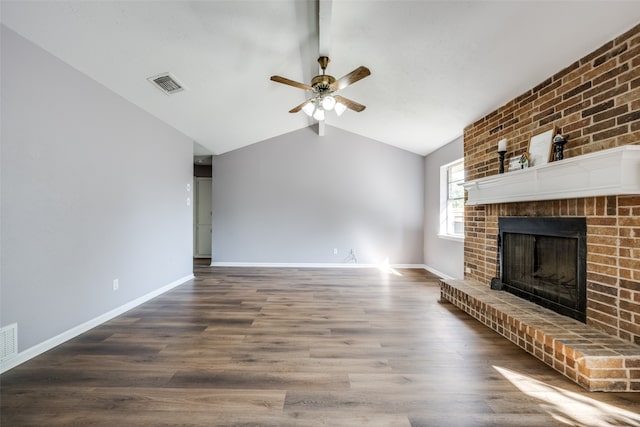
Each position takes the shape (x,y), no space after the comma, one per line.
(167,83)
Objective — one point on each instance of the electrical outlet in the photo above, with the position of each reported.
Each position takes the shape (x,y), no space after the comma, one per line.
(467,270)
(116,284)
(335,251)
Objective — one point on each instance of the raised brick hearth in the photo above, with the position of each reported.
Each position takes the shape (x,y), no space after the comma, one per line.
(592,358)
(595,102)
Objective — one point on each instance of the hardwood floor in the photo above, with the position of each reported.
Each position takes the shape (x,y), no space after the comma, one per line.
(303,347)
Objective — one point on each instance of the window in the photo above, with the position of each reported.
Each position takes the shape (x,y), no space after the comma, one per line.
(452,200)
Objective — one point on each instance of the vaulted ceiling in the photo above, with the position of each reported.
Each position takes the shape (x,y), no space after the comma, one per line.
(436,66)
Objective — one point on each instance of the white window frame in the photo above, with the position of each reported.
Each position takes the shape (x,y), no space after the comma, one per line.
(445,213)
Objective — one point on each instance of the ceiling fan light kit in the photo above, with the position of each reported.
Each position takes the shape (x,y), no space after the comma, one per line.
(328,102)
(309,108)
(316,107)
(323,87)
(339,108)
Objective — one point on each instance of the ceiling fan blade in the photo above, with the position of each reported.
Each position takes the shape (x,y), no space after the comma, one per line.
(357,74)
(352,105)
(286,81)
(299,107)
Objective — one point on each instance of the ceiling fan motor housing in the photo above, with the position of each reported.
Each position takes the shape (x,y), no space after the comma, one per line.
(322,83)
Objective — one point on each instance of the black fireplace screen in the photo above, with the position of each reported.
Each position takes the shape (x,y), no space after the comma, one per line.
(544,261)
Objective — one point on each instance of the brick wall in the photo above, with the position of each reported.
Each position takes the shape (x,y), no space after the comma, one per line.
(595,103)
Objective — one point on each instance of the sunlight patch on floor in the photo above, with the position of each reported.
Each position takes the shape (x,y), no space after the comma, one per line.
(386,268)
(568,407)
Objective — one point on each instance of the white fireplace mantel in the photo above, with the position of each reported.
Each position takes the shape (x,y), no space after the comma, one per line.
(615,171)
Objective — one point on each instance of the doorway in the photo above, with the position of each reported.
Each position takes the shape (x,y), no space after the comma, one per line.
(202,210)
(202,206)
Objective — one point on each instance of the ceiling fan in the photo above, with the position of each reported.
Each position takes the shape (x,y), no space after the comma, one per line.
(324,87)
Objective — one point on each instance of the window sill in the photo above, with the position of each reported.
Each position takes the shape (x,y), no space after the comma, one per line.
(451,237)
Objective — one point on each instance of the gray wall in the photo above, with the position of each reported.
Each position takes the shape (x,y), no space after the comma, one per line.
(294,198)
(442,255)
(93,189)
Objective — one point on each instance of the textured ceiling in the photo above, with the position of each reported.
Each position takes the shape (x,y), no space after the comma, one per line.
(436,66)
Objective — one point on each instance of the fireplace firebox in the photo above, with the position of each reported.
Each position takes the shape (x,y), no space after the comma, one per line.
(543,259)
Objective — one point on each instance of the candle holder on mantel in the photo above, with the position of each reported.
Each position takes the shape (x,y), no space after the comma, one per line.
(502,149)
(558,147)
(501,154)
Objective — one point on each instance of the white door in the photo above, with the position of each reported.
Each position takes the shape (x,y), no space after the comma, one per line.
(202,247)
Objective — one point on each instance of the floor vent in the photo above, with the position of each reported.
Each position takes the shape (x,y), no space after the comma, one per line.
(167,83)
(8,341)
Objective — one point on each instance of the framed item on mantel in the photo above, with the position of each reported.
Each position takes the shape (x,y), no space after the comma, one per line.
(541,147)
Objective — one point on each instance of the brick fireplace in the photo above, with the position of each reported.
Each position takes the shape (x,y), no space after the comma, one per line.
(595,103)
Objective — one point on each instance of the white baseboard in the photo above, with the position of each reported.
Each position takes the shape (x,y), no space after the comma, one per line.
(308,265)
(421,266)
(438,273)
(38,349)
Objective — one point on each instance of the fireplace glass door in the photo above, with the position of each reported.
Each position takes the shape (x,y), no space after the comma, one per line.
(545,265)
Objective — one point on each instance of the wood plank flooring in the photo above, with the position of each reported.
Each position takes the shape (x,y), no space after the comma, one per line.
(299,347)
